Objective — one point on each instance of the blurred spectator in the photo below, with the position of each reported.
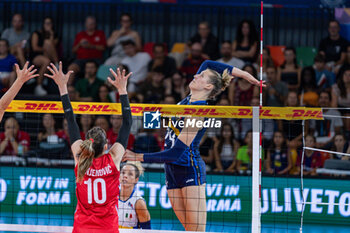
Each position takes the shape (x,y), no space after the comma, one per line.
(341,90)
(118,36)
(137,63)
(176,86)
(7,62)
(339,145)
(43,50)
(225,150)
(191,65)
(289,72)
(308,87)
(85,123)
(103,94)
(278,160)
(226,56)
(146,142)
(88,87)
(63,133)
(206,151)
(334,46)
(208,41)
(88,45)
(166,63)
(73,94)
(17,38)
(48,129)
(312,159)
(113,95)
(112,134)
(241,91)
(324,78)
(13,141)
(245,46)
(267,62)
(101,121)
(169,99)
(153,91)
(276,91)
(332,123)
(347,57)
(244,155)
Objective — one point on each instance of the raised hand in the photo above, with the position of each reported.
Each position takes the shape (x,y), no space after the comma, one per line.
(244,74)
(120,81)
(58,76)
(132,156)
(26,73)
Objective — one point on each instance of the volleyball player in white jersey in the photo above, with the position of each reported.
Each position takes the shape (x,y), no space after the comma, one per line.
(132,210)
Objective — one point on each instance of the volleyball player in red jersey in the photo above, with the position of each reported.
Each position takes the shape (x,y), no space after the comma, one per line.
(97,173)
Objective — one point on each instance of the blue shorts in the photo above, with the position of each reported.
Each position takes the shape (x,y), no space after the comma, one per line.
(177,176)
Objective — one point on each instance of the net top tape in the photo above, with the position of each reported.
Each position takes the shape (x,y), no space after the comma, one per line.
(287,113)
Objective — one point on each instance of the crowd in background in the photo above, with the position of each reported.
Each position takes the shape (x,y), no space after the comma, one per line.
(161,77)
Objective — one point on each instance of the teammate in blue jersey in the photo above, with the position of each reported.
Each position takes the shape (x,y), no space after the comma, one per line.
(184,168)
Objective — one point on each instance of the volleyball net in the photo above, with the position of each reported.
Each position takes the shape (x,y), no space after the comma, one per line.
(38,184)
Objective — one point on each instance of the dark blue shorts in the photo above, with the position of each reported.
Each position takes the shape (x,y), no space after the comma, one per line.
(180,176)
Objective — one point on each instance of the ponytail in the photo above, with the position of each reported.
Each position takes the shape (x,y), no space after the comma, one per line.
(220,82)
(85,158)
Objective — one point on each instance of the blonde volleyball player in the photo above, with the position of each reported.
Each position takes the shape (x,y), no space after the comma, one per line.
(132,210)
(22,76)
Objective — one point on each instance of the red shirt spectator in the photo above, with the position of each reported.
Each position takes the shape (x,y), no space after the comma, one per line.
(96,38)
(21,138)
(191,65)
(112,137)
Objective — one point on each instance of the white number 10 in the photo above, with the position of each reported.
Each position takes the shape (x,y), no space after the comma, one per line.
(103,190)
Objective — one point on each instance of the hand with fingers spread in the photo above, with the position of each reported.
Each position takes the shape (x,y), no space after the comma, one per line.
(120,81)
(59,77)
(23,75)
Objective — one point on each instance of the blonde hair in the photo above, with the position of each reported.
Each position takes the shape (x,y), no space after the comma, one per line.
(139,170)
(90,148)
(220,82)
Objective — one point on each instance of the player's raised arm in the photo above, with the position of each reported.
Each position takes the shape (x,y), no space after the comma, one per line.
(61,80)
(120,82)
(23,75)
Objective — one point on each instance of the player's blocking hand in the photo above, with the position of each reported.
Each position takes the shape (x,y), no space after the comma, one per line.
(57,75)
(120,81)
(132,156)
(23,75)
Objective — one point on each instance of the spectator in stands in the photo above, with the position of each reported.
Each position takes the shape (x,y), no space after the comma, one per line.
(17,38)
(7,65)
(43,50)
(325,79)
(347,57)
(13,141)
(101,121)
(176,86)
(153,91)
(169,99)
(225,150)
(48,129)
(341,90)
(73,94)
(113,94)
(88,45)
(167,64)
(137,63)
(332,124)
(276,92)
(312,159)
(88,87)
(103,94)
(245,46)
(112,134)
(267,62)
(334,46)
(289,72)
(63,133)
(208,41)
(85,123)
(278,160)
(341,145)
(308,87)
(240,91)
(244,155)
(206,151)
(191,65)
(226,56)
(118,36)
(146,141)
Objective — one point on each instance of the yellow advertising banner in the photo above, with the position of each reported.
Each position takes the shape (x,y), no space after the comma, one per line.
(288,113)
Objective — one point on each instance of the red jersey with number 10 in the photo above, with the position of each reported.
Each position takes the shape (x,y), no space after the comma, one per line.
(98,196)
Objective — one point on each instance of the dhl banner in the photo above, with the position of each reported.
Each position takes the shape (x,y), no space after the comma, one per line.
(288,113)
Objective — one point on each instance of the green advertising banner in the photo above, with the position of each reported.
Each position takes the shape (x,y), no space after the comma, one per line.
(52,191)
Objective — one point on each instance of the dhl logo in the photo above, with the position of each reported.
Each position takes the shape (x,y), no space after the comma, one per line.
(295,113)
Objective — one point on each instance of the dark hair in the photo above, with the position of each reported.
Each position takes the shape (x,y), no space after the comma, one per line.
(128,42)
(92,61)
(255,72)
(91,148)
(284,146)
(311,83)
(340,81)
(6,42)
(221,138)
(53,24)
(206,23)
(226,42)
(320,58)
(125,67)
(162,45)
(333,21)
(158,69)
(125,14)
(42,124)
(295,59)
(253,35)
(328,93)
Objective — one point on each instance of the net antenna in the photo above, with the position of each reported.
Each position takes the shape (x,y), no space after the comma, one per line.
(257,129)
